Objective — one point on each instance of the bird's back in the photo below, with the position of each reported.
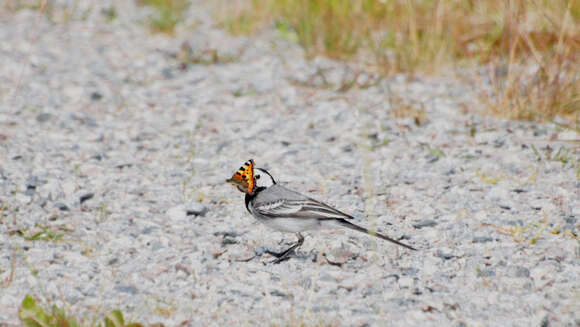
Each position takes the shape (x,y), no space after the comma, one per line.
(276,192)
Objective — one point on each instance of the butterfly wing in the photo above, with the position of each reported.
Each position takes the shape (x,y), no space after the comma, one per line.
(244,177)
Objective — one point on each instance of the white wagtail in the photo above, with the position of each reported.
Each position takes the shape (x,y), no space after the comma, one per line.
(288,211)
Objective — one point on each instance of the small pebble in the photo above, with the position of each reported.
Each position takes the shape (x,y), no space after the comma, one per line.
(61,206)
(43,117)
(196,209)
(482,239)
(86,196)
(425,223)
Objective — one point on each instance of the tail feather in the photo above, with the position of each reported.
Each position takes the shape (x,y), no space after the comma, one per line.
(352,226)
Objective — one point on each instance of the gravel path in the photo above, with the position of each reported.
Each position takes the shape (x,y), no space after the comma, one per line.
(115,149)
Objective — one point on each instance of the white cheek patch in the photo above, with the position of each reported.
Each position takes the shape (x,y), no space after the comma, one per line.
(263,179)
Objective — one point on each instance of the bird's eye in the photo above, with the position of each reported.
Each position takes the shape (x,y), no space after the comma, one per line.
(257,176)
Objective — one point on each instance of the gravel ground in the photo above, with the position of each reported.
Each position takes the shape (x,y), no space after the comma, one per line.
(116,149)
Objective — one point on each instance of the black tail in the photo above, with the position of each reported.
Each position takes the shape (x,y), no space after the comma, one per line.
(350,225)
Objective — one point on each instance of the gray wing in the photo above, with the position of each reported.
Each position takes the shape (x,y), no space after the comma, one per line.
(278,201)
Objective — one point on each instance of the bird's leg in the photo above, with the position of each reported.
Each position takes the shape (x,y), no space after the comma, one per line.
(284,255)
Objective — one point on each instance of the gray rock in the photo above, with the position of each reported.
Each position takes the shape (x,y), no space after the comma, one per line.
(177,212)
(281,294)
(570,220)
(43,117)
(149,230)
(518,272)
(96,96)
(61,206)
(34,182)
(486,273)
(127,289)
(406,282)
(443,255)
(425,223)
(195,209)
(86,196)
(482,239)
(30,190)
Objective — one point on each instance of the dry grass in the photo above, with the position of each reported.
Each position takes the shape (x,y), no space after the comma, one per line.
(168,13)
(535,90)
(243,17)
(536,42)
(14,5)
(401,109)
(537,84)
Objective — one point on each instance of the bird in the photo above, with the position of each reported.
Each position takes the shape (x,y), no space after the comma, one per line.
(285,210)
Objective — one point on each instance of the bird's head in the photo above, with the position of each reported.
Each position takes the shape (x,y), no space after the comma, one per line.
(262,178)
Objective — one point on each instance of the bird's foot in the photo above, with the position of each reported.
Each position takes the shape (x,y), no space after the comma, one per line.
(280,256)
(284,255)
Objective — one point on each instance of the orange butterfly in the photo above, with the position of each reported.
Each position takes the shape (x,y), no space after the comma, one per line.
(244,177)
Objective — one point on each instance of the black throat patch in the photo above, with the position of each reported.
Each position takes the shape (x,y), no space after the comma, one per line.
(250,197)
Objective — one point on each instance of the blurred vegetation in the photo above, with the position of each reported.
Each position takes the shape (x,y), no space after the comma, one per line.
(531,46)
(529,49)
(33,315)
(168,13)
